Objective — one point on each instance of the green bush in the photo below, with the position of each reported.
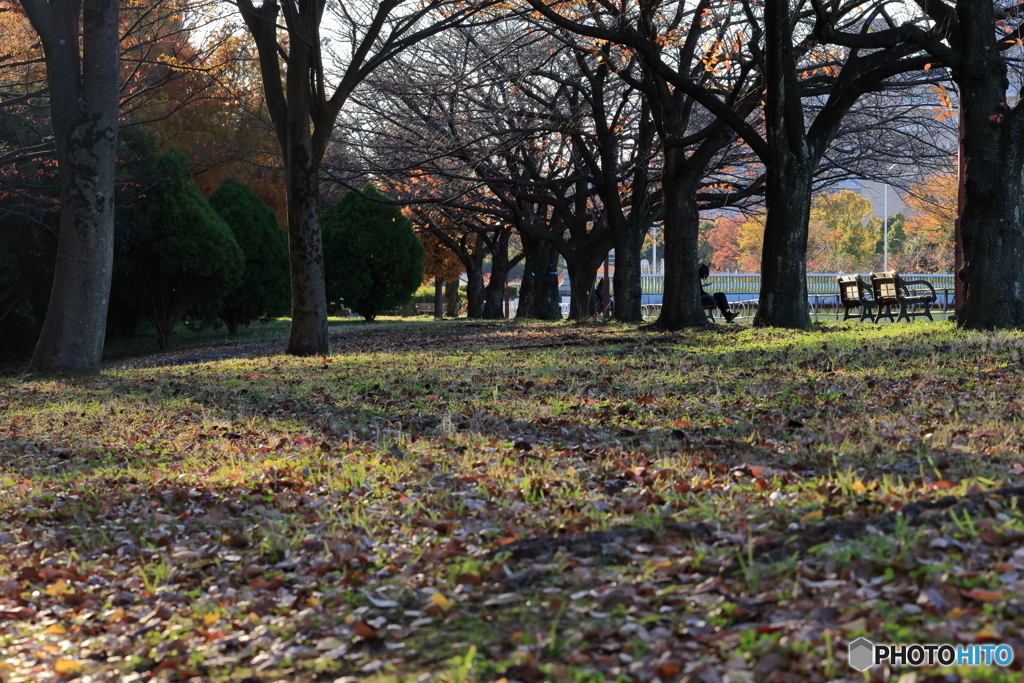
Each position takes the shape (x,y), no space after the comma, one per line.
(373,261)
(184,253)
(263,292)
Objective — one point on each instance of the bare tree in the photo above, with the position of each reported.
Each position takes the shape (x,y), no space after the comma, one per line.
(297,59)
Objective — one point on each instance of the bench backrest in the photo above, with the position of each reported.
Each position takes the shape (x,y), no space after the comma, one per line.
(849,290)
(884,285)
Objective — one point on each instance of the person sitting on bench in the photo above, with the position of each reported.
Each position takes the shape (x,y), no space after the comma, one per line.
(712,300)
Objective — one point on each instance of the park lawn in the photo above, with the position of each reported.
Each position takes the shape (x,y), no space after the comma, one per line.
(467,501)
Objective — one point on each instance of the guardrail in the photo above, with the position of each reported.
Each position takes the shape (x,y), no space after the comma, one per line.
(742,290)
(750,283)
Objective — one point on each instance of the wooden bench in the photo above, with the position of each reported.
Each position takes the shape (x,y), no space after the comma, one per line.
(425,308)
(890,290)
(855,293)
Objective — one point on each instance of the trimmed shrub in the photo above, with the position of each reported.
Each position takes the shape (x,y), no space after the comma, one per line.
(373,261)
(263,291)
(188,254)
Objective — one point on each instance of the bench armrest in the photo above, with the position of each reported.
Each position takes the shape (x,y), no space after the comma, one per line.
(905,284)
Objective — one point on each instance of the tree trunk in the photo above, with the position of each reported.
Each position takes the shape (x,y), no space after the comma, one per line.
(680,304)
(305,244)
(783,296)
(538,294)
(85,114)
(475,283)
(438,299)
(582,276)
(627,278)
(790,166)
(992,222)
(494,295)
(451,295)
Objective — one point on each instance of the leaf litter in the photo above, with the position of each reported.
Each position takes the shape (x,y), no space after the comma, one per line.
(532,502)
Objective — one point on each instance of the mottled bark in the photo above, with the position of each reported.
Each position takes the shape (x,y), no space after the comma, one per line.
(680,304)
(783,296)
(84,107)
(308,334)
(626,281)
(992,221)
(451,298)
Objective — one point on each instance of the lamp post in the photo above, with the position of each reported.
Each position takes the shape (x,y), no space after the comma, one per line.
(885,224)
(654,250)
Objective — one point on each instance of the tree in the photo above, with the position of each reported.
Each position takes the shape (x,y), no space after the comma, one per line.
(373,259)
(724,240)
(840,236)
(442,266)
(303,109)
(979,42)
(930,229)
(262,292)
(700,87)
(189,254)
(80,42)
(750,243)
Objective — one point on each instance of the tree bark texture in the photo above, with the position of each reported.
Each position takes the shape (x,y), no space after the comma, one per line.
(790,171)
(783,295)
(494,293)
(991,224)
(302,132)
(626,281)
(438,299)
(84,106)
(538,293)
(582,278)
(451,298)
(475,282)
(680,304)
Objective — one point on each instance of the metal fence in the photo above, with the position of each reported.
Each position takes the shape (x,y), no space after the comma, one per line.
(750,283)
(742,290)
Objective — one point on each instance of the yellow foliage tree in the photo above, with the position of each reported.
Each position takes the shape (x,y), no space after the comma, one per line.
(929,245)
(841,236)
(750,243)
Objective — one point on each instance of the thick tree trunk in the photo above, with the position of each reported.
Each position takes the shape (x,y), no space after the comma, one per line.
(494,295)
(538,294)
(305,246)
(582,277)
(627,278)
(790,166)
(85,114)
(451,298)
(783,297)
(475,283)
(680,304)
(992,222)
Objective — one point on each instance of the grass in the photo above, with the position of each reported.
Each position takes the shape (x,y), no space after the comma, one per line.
(470,501)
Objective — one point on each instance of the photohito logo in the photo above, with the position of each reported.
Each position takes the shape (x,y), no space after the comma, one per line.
(864,654)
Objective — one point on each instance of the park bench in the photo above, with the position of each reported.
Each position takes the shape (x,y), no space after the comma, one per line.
(424,308)
(854,293)
(890,290)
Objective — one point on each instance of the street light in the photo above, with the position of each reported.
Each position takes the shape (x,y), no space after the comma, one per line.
(885,225)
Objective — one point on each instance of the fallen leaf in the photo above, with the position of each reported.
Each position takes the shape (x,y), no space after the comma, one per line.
(983,595)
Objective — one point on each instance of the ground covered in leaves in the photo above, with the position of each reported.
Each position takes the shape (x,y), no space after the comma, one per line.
(465,501)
